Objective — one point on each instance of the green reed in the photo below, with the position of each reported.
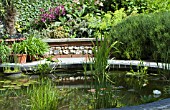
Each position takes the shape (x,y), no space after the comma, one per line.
(103,95)
(44,96)
(163,56)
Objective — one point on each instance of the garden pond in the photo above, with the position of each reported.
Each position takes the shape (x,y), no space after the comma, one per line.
(76,91)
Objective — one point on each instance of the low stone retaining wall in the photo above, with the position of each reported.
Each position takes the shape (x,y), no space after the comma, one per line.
(78,62)
(71,47)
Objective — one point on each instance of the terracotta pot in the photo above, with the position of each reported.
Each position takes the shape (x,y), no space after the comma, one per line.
(21,58)
(31,58)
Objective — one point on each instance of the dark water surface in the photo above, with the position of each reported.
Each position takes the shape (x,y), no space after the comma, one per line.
(126,89)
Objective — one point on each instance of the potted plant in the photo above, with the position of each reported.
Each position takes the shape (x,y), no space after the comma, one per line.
(35,47)
(5,52)
(19,52)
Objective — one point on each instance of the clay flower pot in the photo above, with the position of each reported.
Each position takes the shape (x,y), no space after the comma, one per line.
(21,58)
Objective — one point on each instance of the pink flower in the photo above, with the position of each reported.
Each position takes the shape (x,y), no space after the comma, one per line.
(63,10)
(57,10)
(51,16)
(43,20)
(42,10)
(51,10)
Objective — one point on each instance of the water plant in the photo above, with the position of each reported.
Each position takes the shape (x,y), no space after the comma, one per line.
(141,71)
(147,98)
(9,98)
(76,99)
(103,94)
(44,69)
(44,96)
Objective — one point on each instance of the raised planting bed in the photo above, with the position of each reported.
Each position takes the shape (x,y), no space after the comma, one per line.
(13,40)
(71,47)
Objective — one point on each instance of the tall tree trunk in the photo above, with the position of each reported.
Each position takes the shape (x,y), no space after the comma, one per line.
(10,18)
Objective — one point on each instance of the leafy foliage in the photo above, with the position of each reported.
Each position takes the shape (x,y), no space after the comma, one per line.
(77,18)
(102,83)
(129,5)
(19,48)
(144,36)
(32,46)
(157,5)
(137,6)
(29,10)
(35,46)
(5,52)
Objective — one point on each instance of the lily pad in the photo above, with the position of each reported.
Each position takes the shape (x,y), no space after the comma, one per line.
(8,86)
(26,84)
(7,82)
(14,83)
(2,89)
(17,87)
(1,81)
(33,81)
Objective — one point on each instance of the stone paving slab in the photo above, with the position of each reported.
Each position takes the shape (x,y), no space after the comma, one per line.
(158,105)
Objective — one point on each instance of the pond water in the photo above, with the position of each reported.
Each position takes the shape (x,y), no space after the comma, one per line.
(129,90)
(126,90)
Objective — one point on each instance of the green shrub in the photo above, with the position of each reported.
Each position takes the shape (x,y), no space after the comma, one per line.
(139,6)
(157,5)
(144,36)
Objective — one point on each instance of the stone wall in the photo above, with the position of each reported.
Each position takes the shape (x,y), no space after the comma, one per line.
(77,47)
(71,51)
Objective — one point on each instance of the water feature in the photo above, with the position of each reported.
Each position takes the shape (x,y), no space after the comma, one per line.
(126,90)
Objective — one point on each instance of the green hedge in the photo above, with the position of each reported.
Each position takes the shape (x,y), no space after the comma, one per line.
(139,6)
(144,36)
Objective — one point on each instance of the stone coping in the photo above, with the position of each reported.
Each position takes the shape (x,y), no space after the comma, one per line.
(70,40)
(163,104)
(77,63)
(83,60)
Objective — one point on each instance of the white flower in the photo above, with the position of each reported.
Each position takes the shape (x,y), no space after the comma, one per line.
(156,92)
(1,26)
(100,4)
(76,1)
